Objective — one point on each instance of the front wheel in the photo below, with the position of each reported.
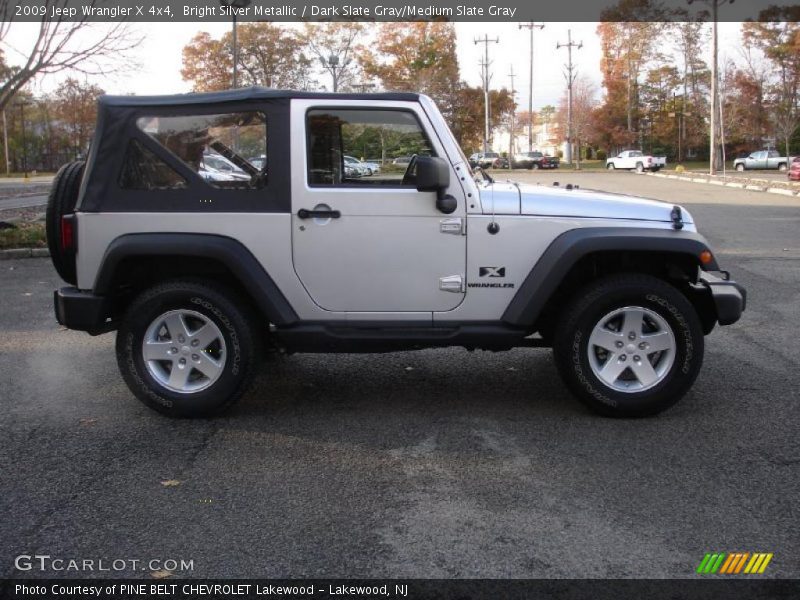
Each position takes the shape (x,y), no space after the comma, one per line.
(740,167)
(610,166)
(186,349)
(629,345)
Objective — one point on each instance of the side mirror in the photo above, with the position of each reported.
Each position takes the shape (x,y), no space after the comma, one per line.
(433,174)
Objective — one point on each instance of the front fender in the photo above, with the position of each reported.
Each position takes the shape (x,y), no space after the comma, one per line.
(568,248)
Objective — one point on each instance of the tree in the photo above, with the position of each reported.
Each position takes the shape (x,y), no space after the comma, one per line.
(468,116)
(336,39)
(269,55)
(59,46)
(628,34)
(777,35)
(74,107)
(584,101)
(416,57)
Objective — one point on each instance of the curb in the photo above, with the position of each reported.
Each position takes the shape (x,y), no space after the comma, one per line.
(732,184)
(16,253)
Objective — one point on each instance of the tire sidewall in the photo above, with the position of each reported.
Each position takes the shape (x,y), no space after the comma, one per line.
(212,306)
(681,318)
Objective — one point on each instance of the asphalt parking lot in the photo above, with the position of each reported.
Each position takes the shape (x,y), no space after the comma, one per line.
(438,463)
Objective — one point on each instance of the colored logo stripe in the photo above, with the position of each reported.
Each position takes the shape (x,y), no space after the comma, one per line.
(734,563)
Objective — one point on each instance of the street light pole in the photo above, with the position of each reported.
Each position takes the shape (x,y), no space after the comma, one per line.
(236,5)
(332,64)
(531,26)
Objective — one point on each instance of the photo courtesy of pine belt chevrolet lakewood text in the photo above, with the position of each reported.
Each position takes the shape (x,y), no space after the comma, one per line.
(210,228)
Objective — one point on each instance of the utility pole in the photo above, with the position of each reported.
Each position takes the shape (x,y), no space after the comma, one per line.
(486,77)
(531,26)
(570,77)
(511,124)
(5,144)
(713,157)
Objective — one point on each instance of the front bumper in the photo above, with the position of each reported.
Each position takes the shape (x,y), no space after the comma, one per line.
(730,298)
(84,311)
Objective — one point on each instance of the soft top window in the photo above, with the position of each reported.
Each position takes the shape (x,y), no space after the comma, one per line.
(227,150)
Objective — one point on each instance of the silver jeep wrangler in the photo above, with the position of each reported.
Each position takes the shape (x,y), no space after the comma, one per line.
(209,228)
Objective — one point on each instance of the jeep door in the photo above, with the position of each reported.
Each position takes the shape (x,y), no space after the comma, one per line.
(372,243)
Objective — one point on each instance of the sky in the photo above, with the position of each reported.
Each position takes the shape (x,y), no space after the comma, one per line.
(159,55)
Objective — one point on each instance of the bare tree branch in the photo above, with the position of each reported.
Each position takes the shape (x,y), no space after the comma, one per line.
(59,46)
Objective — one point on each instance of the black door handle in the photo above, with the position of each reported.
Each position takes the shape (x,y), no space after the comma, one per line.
(304,213)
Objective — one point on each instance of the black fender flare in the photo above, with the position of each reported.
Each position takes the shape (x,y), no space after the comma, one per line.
(230,252)
(569,247)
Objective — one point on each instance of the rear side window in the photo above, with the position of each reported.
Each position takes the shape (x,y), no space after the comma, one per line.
(362,147)
(143,170)
(226,150)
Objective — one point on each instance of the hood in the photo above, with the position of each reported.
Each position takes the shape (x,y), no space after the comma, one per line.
(557,201)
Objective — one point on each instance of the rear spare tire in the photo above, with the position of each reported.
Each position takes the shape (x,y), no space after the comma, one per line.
(62,199)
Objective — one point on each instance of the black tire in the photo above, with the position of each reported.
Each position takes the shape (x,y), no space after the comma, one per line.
(781,166)
(639,167)
(536,166)
(610,167)
(232,317)
(740,168)
(60,202)
(589,307)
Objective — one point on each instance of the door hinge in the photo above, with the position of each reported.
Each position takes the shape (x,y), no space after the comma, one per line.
(452,283)
(456,226)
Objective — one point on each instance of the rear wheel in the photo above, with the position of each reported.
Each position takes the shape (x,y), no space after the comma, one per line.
(186,349)
(61,202)
(782,167)
(639,167)
(535,166)
(629,345)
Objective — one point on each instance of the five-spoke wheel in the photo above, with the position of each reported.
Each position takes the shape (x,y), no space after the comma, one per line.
(629,345)
(188,349)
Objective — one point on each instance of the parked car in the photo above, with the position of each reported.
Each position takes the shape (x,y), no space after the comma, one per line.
(763,159)
(794,169)
(259,162)
(535,160)
(368,168)
(215,167)
(484,160)
(356,166)
(636,160)
(198,277)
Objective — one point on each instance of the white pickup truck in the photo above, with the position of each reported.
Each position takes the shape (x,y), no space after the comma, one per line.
(636,159)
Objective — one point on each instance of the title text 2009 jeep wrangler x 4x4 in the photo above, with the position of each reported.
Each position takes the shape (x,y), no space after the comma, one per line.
(200,266)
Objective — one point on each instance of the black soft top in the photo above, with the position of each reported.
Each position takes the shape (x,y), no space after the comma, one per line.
(245,95)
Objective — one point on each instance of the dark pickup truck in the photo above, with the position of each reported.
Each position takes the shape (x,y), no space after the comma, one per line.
(535,160)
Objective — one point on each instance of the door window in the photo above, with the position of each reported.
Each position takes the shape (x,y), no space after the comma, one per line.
(362,147)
